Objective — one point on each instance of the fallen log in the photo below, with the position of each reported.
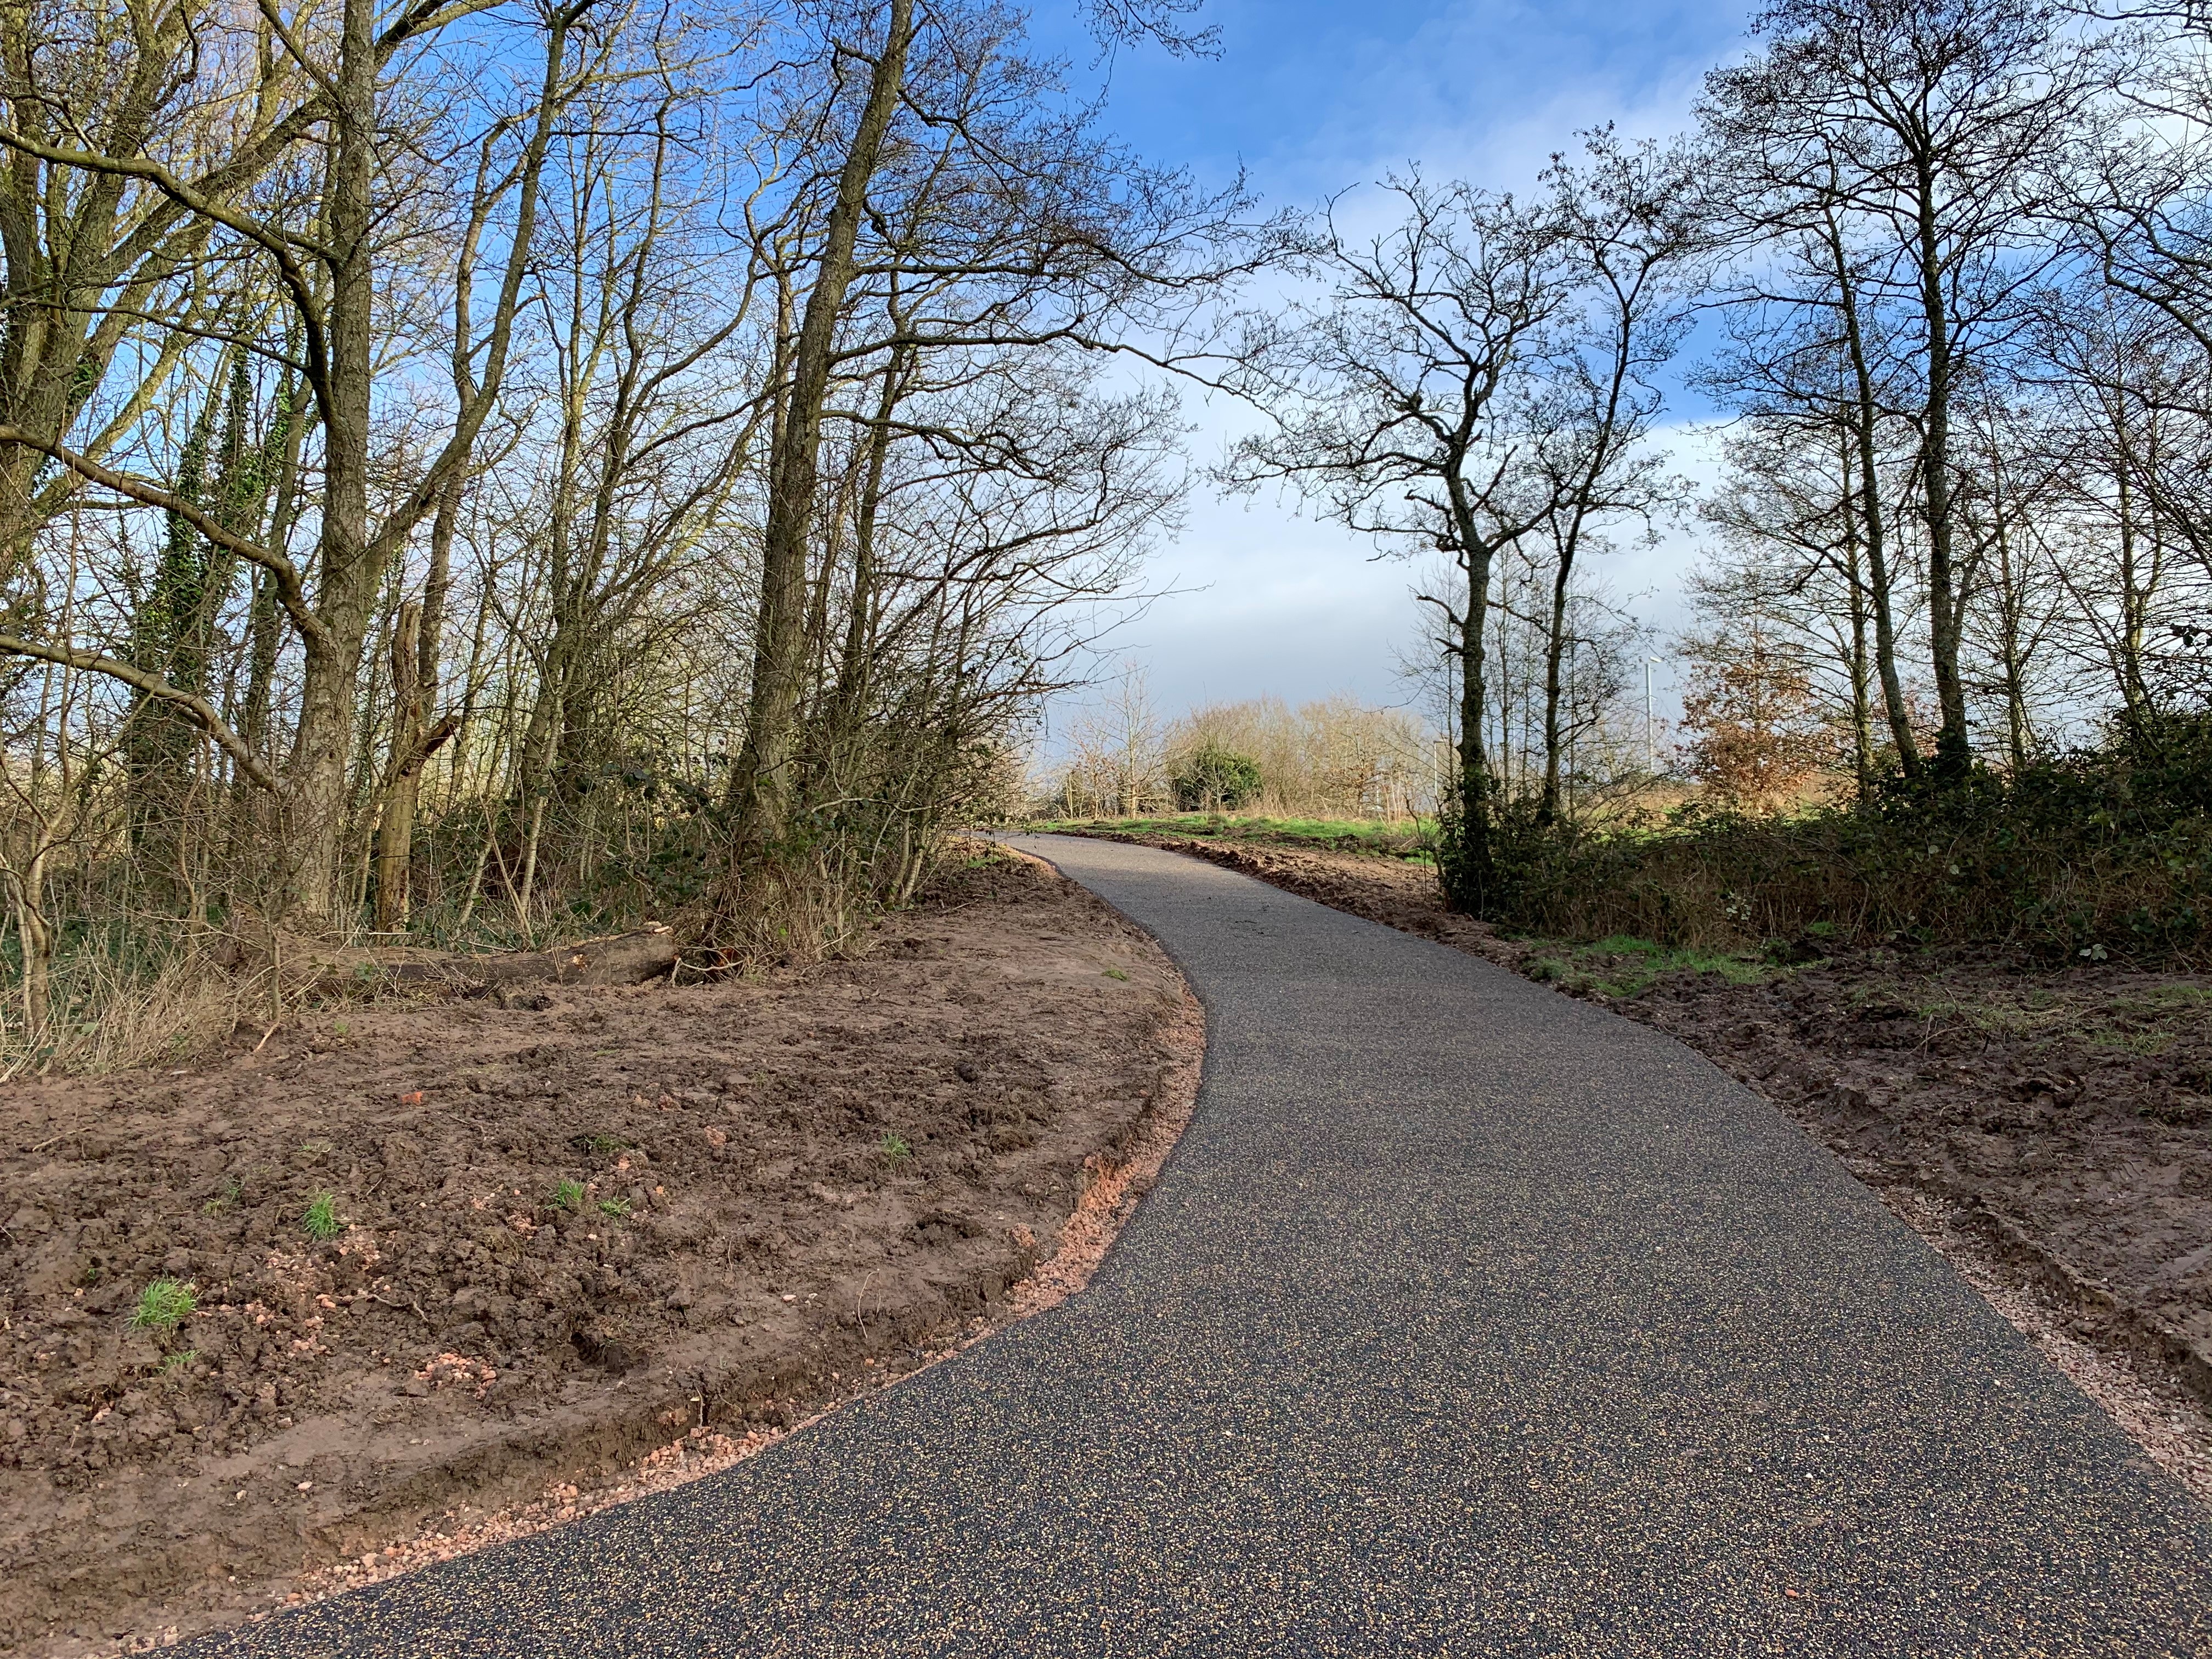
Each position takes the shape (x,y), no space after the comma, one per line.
(617,959)
(628,958)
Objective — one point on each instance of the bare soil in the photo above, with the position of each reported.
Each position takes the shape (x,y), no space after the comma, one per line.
(2061,1120)
(2050,1131)
(777,1195)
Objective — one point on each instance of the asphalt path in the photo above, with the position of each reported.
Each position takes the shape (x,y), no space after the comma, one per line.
(1465,1319)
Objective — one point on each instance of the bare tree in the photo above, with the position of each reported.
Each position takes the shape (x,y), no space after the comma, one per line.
(1630,222)
(1925,132)
(321,250)
(1398,399)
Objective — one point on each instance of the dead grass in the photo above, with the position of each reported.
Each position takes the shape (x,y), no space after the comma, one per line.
(135,999)
(113,1018)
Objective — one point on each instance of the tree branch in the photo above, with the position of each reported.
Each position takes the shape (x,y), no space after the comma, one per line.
(289,588)
(154,686)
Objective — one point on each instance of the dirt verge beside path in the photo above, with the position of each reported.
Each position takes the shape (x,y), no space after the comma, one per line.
(2050,1132)
(682,1217)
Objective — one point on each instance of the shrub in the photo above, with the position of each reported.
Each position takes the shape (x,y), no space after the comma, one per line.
(2105,853)
(1213,779)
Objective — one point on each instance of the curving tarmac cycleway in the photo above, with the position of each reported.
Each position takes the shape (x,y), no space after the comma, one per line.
(1465,1319)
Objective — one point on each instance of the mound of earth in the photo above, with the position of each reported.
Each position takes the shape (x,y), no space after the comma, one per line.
(552,1237)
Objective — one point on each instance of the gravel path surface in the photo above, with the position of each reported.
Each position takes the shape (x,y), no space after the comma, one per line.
(1465,1319)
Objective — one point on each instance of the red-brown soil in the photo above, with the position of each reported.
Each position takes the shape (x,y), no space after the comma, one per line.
(2051,1131)
(790,1191)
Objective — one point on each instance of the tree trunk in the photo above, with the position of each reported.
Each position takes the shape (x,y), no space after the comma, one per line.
(529,865)
(395,826)
(2015,656)
(1555,646)
(1873,521)
(158,740)
(1581,504)
(617,959)
(763,787)
(1860,671)
(849,698)
(1946,602)
(347,577)
(34,936)
(415,642)
(1470,871)
(2128,637)
(264,628)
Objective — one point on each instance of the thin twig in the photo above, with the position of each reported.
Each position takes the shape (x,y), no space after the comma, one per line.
(401,1307)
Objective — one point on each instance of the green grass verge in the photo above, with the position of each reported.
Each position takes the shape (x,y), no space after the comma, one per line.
(1623,965)
(1403,839)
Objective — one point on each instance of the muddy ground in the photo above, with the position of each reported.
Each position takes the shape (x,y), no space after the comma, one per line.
(560,1236)
(2050,1130)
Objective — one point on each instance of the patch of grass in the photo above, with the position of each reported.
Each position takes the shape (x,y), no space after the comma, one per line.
(1116,973)
(2147,1019)
(2165,999)
(598,1143)
(321,1218)
(618,1208)
(222,1203)
(2135,1042)
(126,994)
(568,1194)
(163,1306)
(2144,1020)
(1623,965)
(894,1149)
(177,1362)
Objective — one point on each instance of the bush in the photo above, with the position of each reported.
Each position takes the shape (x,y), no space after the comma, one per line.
(1212,779)
(2103,853)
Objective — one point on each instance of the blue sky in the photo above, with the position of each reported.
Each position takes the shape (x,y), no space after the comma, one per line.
(1311,98)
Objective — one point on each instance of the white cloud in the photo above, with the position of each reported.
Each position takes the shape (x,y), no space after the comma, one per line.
(1271,602)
